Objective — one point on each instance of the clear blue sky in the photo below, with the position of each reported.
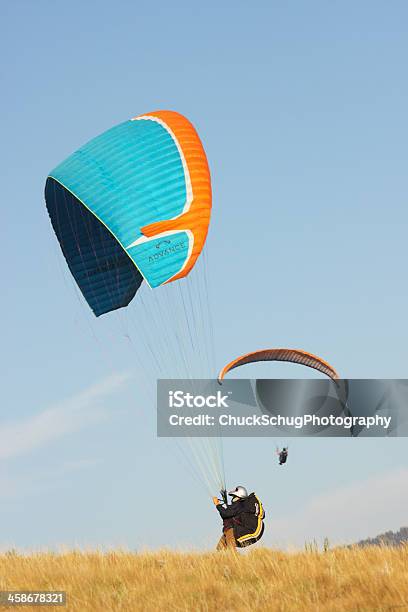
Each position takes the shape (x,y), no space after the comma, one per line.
(302,110)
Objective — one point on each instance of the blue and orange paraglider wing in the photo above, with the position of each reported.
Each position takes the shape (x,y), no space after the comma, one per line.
(133,203)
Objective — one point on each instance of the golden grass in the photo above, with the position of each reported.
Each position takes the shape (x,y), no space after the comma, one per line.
(372,579)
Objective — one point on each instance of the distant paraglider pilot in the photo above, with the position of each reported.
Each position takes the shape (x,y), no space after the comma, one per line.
(283,455)
(242,519)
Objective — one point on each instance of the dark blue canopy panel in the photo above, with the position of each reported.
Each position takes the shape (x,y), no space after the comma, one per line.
(105,274)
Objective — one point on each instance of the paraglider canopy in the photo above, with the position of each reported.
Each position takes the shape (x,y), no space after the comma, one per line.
(133,203)
(281,354)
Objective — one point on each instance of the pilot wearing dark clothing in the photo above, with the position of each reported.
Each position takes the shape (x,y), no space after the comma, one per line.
(242,519)
(283,456)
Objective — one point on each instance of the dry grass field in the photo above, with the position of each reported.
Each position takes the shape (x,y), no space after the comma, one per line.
(372,579)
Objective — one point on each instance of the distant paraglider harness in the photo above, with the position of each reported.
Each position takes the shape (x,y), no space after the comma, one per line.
(283,455)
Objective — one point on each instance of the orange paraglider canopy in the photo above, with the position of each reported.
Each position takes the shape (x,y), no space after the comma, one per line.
(282,354)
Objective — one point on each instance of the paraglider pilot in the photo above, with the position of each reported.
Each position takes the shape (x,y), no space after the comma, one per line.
(283,455)
(242,519)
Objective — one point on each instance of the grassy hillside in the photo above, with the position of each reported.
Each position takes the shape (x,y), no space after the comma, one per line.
(357,579)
